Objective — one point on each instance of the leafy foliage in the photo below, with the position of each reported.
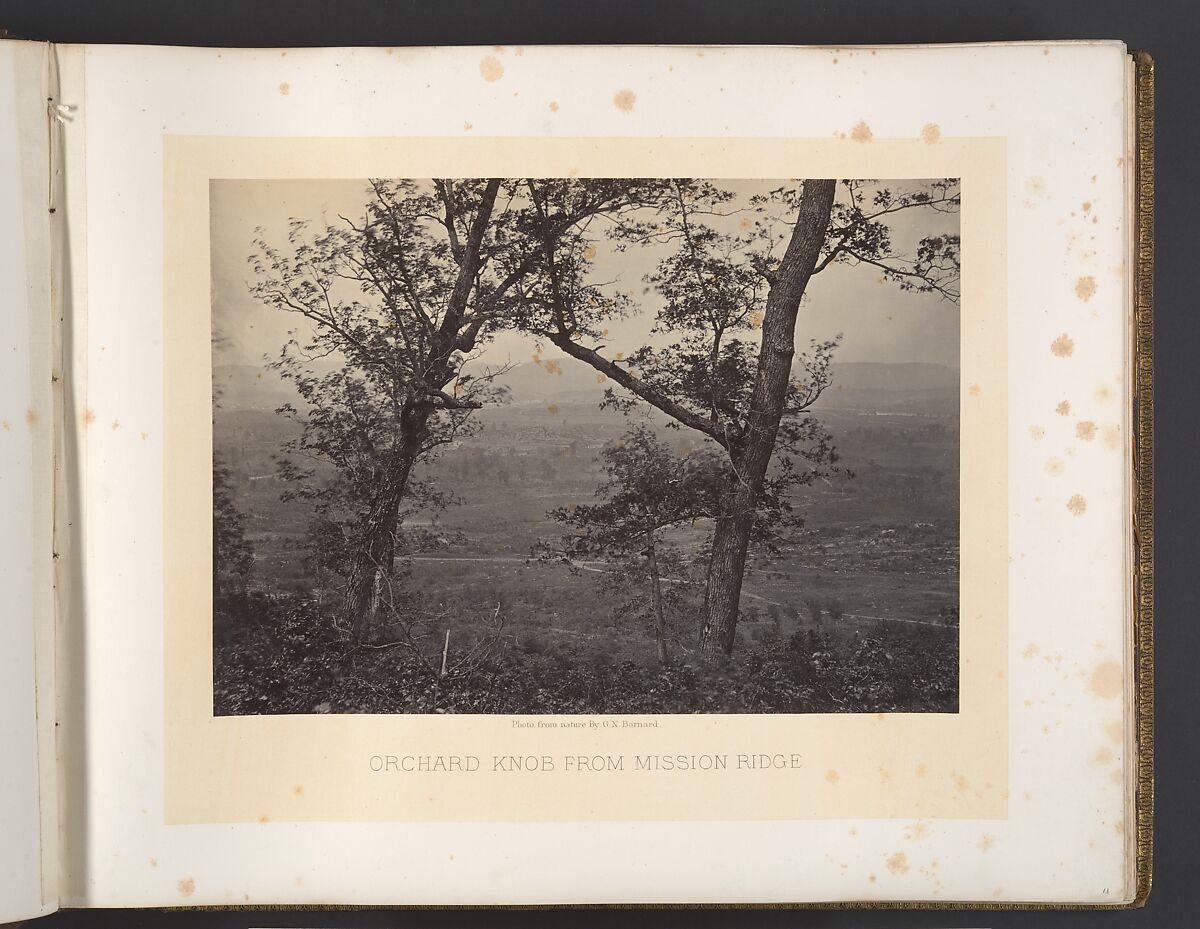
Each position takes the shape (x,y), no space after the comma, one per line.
(289,658)
(233,558)
(647,489)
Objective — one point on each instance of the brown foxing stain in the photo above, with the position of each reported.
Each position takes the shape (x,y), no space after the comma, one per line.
(186,887)
(1037,432)
(898,863)
(931,134)
(1030,651)
(1085,288)
(553,106)
(1103,757)
(961,784)
(871,877)
(1115,731)
(1063,346)
(1064,408)
(1035,185)
(145,435)
(745,223)
(298,789)
(832,776)
(491,69)
(467,127)
(1111,437)
(1086,430)
(861,132)
(601,378)
(116,424)
(620,356)
(973,390)
(264,818)
(552,367)
(1077,505)
(154,862)
(1087,206)
(285,88)
(1055,467)
(624,100)
(1104,393)
(1105,681)
(4,424)
(755,319)
(589,252)
(917,831)
(922,769)
(1117,776)
(31,418)
(552,408)
(986,842)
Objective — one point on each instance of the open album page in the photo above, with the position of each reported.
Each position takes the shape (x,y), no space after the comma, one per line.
(545,475)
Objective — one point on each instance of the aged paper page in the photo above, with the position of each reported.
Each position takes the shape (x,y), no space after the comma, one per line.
(1014,789)
(28,814)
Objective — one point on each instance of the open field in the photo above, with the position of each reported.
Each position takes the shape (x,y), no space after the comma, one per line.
(876,560)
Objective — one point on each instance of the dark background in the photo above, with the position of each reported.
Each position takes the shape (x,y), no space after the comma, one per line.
(1166,28)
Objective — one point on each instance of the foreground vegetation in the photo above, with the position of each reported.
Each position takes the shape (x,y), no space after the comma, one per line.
(286,655)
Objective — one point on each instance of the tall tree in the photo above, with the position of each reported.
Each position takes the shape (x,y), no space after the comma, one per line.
(398,303)
(744,397)
(401,303)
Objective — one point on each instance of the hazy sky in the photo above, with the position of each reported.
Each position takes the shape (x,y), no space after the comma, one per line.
(878,321)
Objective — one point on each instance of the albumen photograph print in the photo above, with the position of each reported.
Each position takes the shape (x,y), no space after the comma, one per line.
(585,445)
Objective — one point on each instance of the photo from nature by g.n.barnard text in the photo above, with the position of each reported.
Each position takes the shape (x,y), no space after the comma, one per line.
(568,445)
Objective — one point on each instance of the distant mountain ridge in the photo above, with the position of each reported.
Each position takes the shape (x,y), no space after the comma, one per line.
(881,375)
(910,387)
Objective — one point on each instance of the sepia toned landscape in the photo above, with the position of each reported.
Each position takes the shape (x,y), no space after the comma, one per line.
(595,489)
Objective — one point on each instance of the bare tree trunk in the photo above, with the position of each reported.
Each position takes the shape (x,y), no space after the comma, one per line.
(660,625)
(376,552)
(726,567)
(752,457)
